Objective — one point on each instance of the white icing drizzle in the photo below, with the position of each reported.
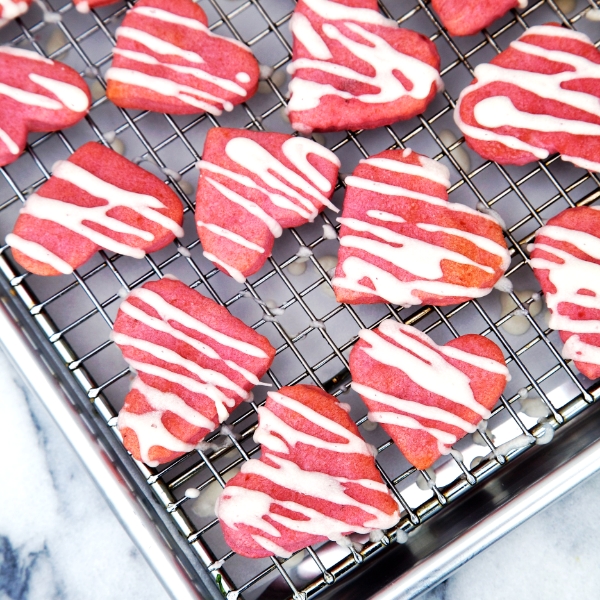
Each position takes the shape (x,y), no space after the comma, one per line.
(425,364)
(270,423)
(417,357)
(569,275)
(428,169)
(373,49)
(214,378)
(251,156)
(11,10)
(499,111)
(226,84)
(38,252)
(234,273)
(169,312)
(201,100)
(148,426)
(68,96)
(10,144)
(157,44)
(24,53)
(238,505)
(73,217)
(221,400)
(428,264)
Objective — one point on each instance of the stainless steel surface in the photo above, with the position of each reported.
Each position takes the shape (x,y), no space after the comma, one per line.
(70,317)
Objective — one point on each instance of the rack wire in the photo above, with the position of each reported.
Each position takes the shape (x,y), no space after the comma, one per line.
(312,333)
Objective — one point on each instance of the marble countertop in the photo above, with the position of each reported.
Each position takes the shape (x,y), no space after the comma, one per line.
(58,539)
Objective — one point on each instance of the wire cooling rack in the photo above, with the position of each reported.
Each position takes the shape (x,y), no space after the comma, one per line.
(289,301)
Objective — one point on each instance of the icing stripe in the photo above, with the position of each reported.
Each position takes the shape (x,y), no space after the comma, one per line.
(429,169)
(499,111)
(73,217)
(222,402)
(231,236)
(421,364)
(425,364)
(431,413)
(157,44)
(400,249)
(225,84)
(250,507)
(24,53)
(214,378)
(269,423)
(168,312)
(10,144)
(232,271)
(300,194)
(570,275)
(169,17)
(70,96)
(383,58)
(39,253)
(168,87)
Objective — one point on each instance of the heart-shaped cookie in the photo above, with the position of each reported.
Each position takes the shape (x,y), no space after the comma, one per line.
(316,479)
(426,396)
(402,242)
(36,94)
(537,97)
(254,184)
(11,9)
(167,60)
(355,69)
(94,200)
(195,363)
(467,17)
(566,261)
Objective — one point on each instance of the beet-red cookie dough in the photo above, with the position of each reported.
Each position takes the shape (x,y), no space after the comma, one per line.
(167,60)
(538,97)
(94,200)
(425,396)
(316,479)
(37,94)
(566,260)
(252,186)
(467,17)
(355,69)
(402,242)
(195,363)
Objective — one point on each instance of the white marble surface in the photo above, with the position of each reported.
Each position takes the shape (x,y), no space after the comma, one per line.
(58,539)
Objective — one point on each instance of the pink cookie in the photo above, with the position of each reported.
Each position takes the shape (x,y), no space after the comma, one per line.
(195,363)
(316,479)
(566,261)
(402,242)
(467,17)
(355,69)
(426,397)
(38,94)
(96,199)
(167,60)
(254,184)
(538,97)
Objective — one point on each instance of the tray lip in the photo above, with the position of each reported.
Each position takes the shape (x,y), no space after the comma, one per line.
(29,351)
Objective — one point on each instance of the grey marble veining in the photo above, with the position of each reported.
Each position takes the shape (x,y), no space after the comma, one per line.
(58,539)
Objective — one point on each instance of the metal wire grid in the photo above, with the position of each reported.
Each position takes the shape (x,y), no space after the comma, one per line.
(92,293)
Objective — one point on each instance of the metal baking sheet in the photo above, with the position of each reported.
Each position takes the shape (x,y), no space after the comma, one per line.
(69,317)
